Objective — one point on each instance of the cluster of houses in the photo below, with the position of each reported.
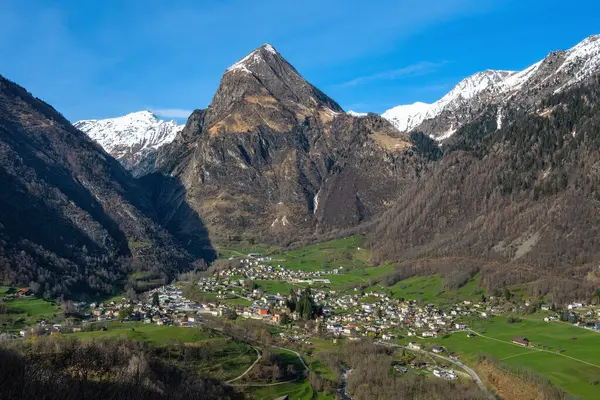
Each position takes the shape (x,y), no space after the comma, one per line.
(402,367)
(172,309)
(256,269)
(579,314)
(380,315)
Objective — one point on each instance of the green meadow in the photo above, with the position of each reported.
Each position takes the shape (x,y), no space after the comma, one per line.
(300,390)
(346,252)
(568,356)
(227,360)
(26,311)
(151,333)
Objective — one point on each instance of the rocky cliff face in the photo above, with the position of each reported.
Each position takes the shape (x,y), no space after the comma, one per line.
(132,139)
(73,220)
(272,155)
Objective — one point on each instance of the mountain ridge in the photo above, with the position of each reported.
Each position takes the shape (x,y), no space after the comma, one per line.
(131,138)
(557,71)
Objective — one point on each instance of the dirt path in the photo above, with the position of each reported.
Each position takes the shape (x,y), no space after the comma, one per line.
(258,357)
(229,382)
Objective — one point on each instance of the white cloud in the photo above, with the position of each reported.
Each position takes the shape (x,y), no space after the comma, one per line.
(171,112)
(421,68)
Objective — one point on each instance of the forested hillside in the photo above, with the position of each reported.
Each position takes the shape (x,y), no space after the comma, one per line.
(521,202)
(73,221)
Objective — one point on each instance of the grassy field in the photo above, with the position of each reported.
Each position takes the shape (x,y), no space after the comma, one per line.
(152,333)
(568,356)
(238,302)
(300,390)
(274,287)
(431,290)
(346,252)
(27,311)
(227,358)
(34,307)
(241,249)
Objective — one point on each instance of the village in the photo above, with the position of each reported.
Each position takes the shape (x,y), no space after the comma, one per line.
(352,314)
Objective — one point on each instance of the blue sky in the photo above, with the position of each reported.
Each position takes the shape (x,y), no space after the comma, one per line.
(98,59)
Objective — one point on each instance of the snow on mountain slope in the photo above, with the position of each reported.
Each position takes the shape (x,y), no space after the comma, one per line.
(557,71)
(407,117)
(131,137)
(357,114)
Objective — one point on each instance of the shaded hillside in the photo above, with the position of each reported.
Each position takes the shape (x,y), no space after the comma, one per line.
(523,201)
(110,369)
(274,157)
(73,220)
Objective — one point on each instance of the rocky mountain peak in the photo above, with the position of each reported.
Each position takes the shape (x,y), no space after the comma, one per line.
(263,91)
(264,54)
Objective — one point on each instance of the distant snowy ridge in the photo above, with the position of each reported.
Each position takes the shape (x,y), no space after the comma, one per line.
(131,137)
(357,114)
(556,72)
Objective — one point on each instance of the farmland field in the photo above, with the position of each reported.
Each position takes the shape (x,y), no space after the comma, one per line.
(568,356)
(346,252)
(152,333)
(26,311)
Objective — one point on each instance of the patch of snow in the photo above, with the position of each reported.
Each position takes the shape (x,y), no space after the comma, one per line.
(356,114)
(517,80)
(499,119)
(587,52)
(269,48)
(251,59)
(408,117)
(581,61)
(446,134)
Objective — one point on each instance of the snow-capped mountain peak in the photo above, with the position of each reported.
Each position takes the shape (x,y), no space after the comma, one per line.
(559,70)
(475,84)
(131,136)
(406,117)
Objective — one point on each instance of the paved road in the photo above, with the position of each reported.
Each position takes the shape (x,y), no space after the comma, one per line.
(457,363)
